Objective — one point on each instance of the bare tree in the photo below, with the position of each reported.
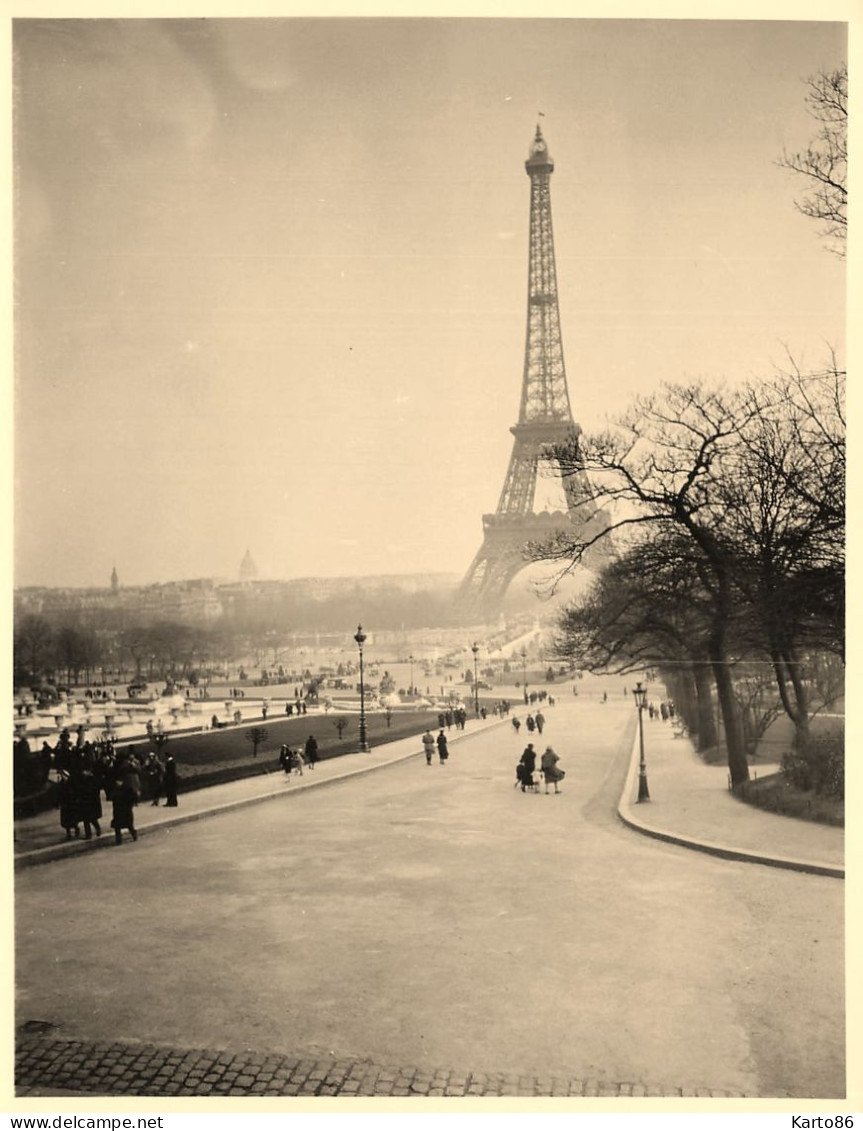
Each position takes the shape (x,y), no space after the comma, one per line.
(33,639)
(657,471)
(649,609)
(824,163)
(257,736)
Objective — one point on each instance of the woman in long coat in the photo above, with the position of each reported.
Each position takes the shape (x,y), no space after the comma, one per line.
(550,771)
(442,748)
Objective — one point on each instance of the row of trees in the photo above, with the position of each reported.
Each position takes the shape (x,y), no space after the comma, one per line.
(726,512)
(69,653)
(722,515)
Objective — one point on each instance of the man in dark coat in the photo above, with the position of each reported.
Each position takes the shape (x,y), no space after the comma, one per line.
(89,801)
(125,792)
(311,750)
(68,798)
(170,782)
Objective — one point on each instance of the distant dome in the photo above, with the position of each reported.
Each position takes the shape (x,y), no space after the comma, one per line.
(248,569)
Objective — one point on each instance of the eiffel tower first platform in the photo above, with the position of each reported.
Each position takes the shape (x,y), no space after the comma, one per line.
(544,418)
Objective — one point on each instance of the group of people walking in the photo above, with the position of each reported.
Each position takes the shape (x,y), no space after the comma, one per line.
(526,768)
(429,744)
(85,772)
(307,755)
(532,722)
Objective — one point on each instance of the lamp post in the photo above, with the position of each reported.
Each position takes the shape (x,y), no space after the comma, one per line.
(411,688)
(640,694)
(524,672)
(475,649)
(360,638)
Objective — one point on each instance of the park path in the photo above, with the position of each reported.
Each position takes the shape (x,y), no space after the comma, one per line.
(432,916)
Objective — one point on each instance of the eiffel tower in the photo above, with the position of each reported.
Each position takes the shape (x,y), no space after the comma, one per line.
(544,418)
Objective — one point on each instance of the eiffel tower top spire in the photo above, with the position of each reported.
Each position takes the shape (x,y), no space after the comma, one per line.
(544,394)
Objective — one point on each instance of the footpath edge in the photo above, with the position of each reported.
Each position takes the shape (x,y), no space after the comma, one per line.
(627,813)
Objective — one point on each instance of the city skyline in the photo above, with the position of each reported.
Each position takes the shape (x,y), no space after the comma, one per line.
(271,274)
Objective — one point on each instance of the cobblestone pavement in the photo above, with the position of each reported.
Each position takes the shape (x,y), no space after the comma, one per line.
(105,1069)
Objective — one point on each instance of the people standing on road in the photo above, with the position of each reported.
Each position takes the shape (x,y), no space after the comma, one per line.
(170,782)
(428,747)
(125,792)
(550,770)
(540,721)
(442,748)
(311,751)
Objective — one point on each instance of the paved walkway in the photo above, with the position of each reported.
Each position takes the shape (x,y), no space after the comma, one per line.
(39,839)
(690,804)
(79,1067)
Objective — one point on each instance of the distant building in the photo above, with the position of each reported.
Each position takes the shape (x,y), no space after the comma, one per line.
(115,581)
(248,569)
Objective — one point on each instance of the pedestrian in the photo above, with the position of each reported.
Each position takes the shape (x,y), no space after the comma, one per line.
(442,749)
(89,802)
(125,793)
(285,759)
(170,782)
(68,798)
(528,758)
(516,723)
(154,772)
(311,751)
(297,761)
(530,723)
(663,710)
(540,721)
(550,770)
(428,746)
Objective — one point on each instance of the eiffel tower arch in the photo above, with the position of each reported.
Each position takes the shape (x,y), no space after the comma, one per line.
(545,417)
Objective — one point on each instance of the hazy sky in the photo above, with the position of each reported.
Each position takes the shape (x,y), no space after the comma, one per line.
(271,275)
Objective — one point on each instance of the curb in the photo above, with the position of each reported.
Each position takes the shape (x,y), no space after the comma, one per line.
(728,852)
(65,849)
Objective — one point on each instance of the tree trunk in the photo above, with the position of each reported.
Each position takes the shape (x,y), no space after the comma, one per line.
(706,725)
(801,699)
(737,764)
